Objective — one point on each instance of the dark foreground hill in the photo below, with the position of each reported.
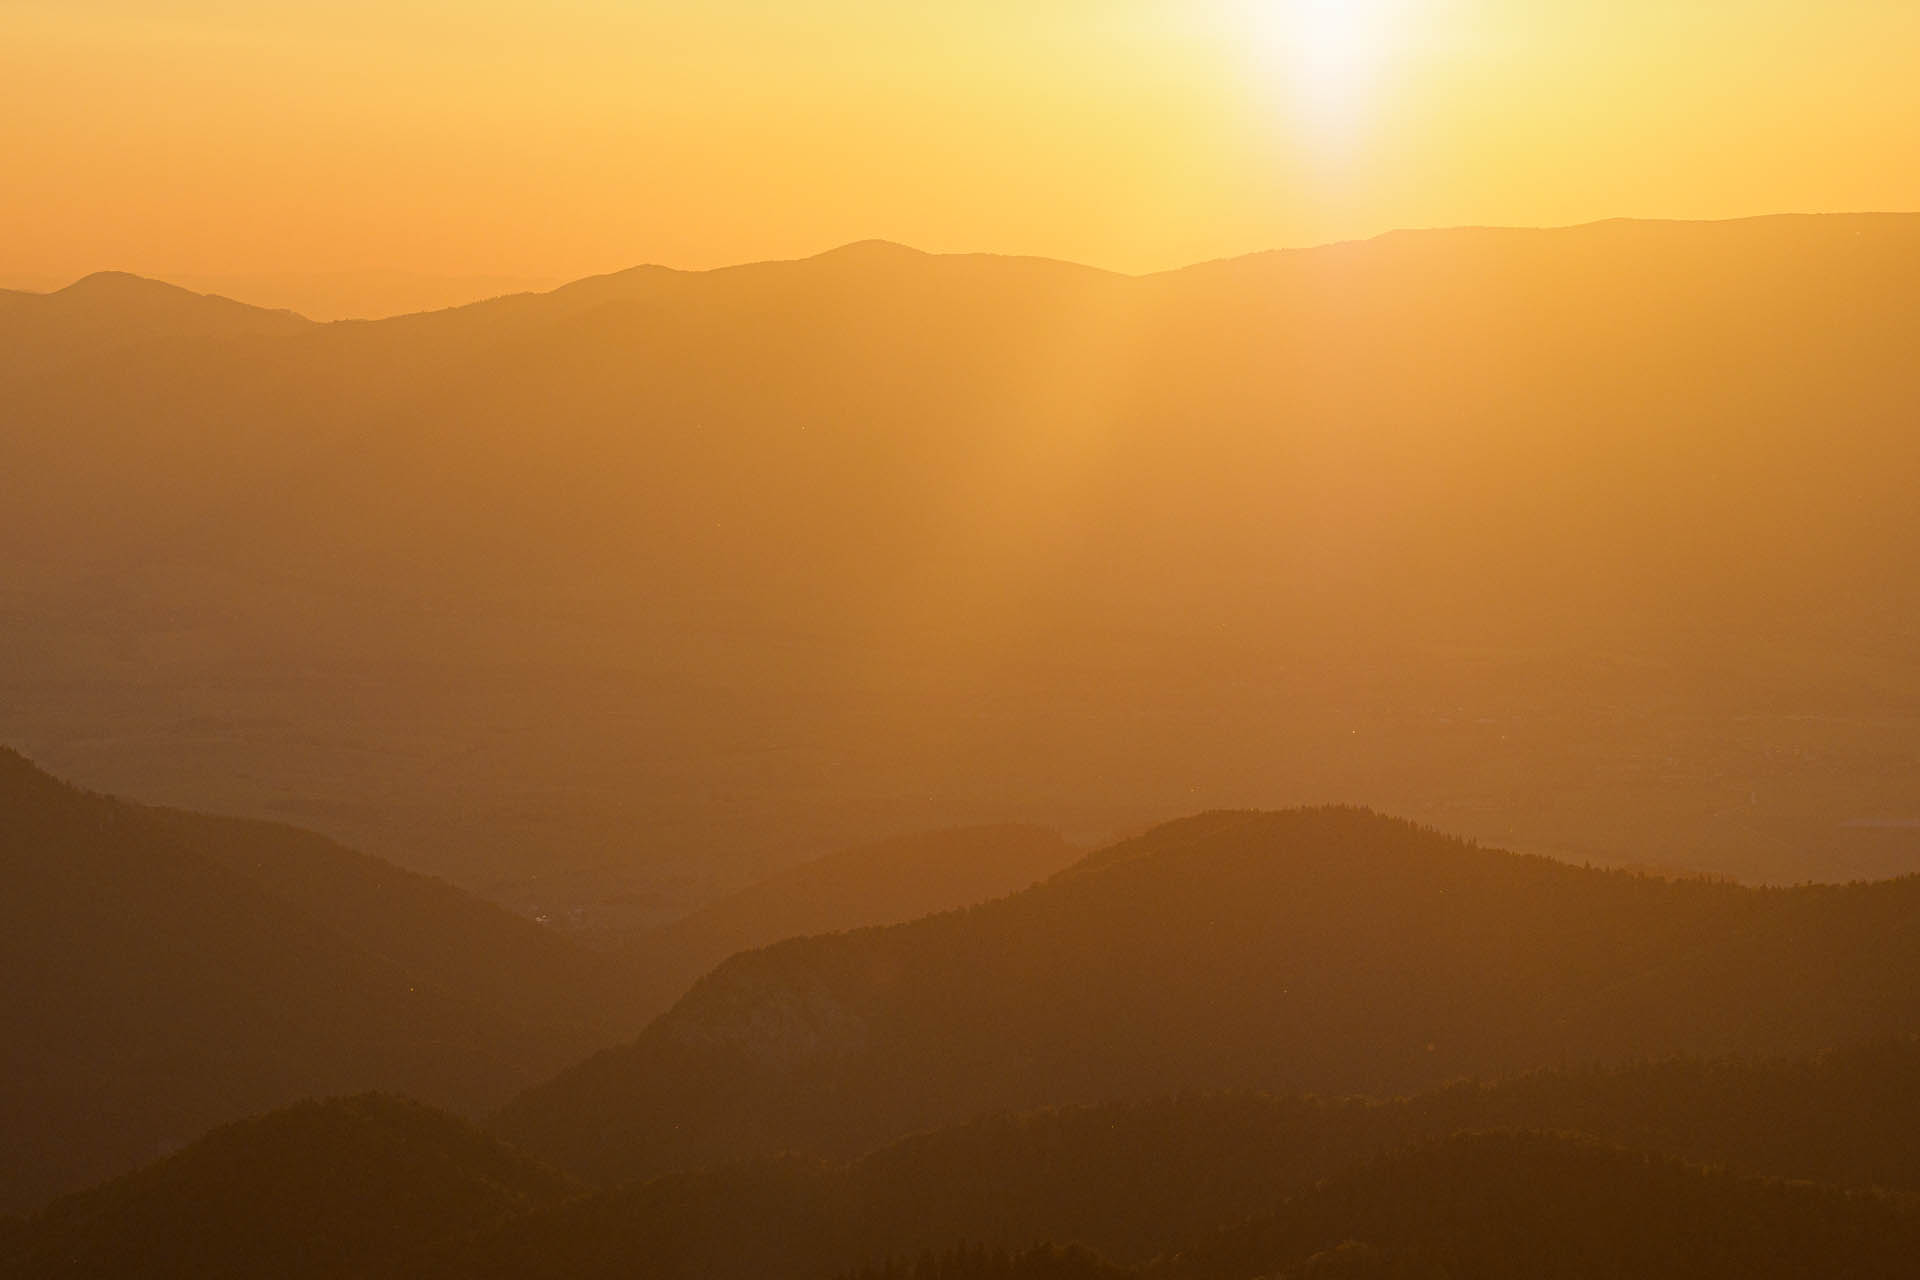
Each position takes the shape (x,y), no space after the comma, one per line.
(166,972)
(887,883)
(1137,1180)
(1592,541)
(318,1190)
(1326,951)
(1519,1206)
(1514,1207)
(1132,1181)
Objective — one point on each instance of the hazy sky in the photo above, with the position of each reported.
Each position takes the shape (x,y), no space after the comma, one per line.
(574,136)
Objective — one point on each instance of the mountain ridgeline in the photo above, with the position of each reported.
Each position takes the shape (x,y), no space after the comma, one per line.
(887,883)
(858,1104)
(1589,541)
(1221,1185)
(596,615)
(312,1192)
(1327,951)
(167,972)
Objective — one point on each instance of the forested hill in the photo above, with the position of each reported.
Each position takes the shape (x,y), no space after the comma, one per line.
(166,972)
(317,1190)
(1519,1206)
(1509,1207)
(1329,951)
(1133,1181)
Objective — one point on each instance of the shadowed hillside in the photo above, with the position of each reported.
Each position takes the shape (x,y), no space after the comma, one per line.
(1523,1205)
(1517,1207)
(104,315)
(317,1190)
(1137,1180)
(167,972)
(1130,1180)
(1325,951)
(1591,541)
(887,883)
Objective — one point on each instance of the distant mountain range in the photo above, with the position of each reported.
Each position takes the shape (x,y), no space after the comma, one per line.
(1589,541)
(619,605)
(1324,951)
(887,883)
(106,314)
(327,296)
(170,971)
(167,972)
(1156,1053)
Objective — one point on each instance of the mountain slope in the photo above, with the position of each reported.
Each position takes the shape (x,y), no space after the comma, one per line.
(108,312)
(1132,1181)
(1504,1206)
(1326,951)
(788,556)
(167,972)
(1136,1181)
(353,1181)
(886,883)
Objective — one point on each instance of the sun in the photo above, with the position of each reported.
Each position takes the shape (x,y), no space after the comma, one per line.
(1330,54)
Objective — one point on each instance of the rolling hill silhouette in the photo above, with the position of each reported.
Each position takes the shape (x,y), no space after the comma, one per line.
(167,972)
(1592,541)
(1515,1205)
(102,315)
(1326,951)
(1132,1181)
(178,969)
(887,883)
(321,1189)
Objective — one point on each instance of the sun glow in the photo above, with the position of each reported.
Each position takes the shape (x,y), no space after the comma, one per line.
(1330,54)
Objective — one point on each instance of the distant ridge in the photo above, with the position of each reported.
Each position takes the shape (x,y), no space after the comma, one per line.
(885,883)
(316,1191)
(111,312)
(1621,509)
(116,294)
(168,971)
(1328,951)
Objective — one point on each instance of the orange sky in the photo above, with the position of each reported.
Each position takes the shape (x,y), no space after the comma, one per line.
(563,138)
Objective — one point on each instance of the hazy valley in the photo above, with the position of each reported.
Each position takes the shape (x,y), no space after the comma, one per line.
(878,767)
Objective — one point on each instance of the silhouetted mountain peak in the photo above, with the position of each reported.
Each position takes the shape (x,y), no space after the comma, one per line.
(124,284)
(109,302)
(24,785)
(364,1177)
(874,250)
(240,965)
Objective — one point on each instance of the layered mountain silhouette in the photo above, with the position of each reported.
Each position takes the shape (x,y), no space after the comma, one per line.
(107,313)
(167,972)
(173,970)
(1327,951)
(1136,1181)
(887,883)
(316,1190)
(1591,541)
(1502,1206)
(392,1188)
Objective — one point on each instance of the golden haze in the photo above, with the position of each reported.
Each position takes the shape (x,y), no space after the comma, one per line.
(205,136)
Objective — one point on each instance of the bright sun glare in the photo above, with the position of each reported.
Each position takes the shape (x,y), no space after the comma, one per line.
(1329,53)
